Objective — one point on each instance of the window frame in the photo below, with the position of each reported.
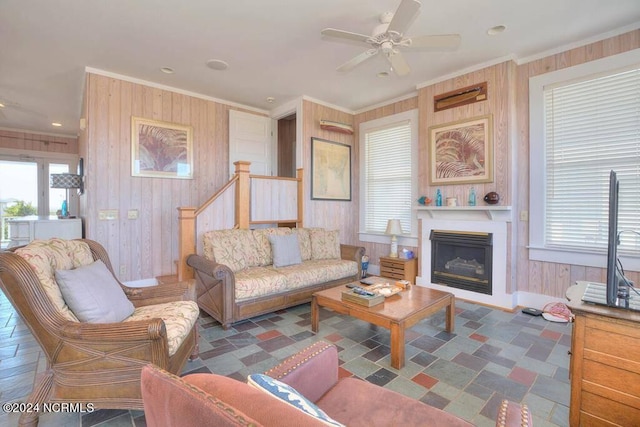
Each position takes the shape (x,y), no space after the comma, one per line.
(409,239)
(537,161)
(43,159)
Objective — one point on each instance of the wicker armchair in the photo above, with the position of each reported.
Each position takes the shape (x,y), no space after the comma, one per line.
(99,363)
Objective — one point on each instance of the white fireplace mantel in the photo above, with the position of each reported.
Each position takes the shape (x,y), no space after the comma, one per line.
(492,213)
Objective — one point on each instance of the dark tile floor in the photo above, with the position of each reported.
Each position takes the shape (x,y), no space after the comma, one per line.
(492,354)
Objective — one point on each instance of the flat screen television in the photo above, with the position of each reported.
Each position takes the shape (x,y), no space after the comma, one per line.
(616,292)
(617,289)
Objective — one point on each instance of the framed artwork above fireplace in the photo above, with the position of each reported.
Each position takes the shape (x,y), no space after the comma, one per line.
(461,152)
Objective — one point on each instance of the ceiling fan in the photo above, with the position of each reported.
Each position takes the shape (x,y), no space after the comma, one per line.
(388,38)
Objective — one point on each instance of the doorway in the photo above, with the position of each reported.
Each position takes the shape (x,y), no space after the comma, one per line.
(287,146)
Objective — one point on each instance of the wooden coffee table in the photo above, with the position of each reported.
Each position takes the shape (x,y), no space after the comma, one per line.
(397,313)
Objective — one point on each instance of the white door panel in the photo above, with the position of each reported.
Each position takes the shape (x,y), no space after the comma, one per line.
(250,140)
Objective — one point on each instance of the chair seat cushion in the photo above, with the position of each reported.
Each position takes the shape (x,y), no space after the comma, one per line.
(178,316)
(356,403)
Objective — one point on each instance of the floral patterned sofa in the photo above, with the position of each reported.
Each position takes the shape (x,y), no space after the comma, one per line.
(245,273)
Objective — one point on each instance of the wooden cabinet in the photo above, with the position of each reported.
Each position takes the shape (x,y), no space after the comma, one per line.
(399,268)
(22,230)
(605,364)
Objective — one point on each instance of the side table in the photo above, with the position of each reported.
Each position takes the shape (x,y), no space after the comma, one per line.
(399,268)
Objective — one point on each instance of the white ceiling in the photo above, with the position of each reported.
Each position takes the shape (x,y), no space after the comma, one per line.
(273,47)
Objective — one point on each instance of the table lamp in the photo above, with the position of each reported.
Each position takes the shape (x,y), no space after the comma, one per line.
(394,228)
(66,181)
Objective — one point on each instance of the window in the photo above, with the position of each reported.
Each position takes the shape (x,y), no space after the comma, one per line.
(388,176)
(24,180)
(585,121)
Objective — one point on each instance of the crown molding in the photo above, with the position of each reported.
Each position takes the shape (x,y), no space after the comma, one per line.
(400,98)
(326,104)
(581,43)
(172,89)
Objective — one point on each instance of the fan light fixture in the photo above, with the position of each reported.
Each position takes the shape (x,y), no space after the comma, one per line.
(389,38)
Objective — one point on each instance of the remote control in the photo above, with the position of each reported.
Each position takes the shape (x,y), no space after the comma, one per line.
(358,290)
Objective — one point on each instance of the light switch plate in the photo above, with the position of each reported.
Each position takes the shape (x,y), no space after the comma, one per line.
(132,214)
(108,214)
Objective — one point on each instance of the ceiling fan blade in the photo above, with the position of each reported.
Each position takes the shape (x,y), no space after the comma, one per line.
(357,60)
(439,42)
(404,16)
(399,64)
(345,36)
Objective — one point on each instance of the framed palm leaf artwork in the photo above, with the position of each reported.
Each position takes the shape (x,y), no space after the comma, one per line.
(461,152)
(161,149)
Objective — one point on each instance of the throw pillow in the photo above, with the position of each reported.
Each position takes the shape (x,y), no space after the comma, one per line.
(288,394)
(286,250)
(93,294)
(325,244)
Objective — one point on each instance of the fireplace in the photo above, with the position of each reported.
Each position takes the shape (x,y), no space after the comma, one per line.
(494,220)
(462,260)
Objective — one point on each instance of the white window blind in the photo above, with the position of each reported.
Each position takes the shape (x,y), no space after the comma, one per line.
(591,127)
(388,177)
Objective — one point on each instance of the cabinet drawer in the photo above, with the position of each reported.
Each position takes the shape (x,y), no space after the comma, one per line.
(392,273)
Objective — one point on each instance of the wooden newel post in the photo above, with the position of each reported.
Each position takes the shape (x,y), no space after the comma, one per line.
(243,194)
(187,242)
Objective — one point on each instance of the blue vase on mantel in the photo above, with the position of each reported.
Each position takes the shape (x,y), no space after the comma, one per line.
(438,197)
(472,197)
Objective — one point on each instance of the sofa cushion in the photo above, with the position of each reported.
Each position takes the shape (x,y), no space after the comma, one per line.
(263,245)
(47,256)
(290,396)
(333,269)
(178,316)
(286,250)
(325,244)
(93,294)
(234,248)
(255,282)
(356,402)
(304,241)
(263,408)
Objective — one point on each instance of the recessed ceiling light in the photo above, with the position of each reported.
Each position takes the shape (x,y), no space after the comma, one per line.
(1,105)
(496,30)
(217,64)
(383,74)
(270,99)
(56,124)
(167,70)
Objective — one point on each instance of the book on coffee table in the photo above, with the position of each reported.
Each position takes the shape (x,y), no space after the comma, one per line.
(366,300)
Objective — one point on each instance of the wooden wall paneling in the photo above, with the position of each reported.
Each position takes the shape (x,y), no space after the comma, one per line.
(129,252)
(376,250)
(337,215)
(19,140)
(576,56)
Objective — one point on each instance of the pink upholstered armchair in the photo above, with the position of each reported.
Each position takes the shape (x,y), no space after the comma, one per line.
(214,400)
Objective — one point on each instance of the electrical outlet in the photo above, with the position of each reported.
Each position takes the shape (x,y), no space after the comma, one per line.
(132,214)
(123,270)
(524,215)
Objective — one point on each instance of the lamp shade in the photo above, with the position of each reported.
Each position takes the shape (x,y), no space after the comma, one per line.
(65,180)
(394,227)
